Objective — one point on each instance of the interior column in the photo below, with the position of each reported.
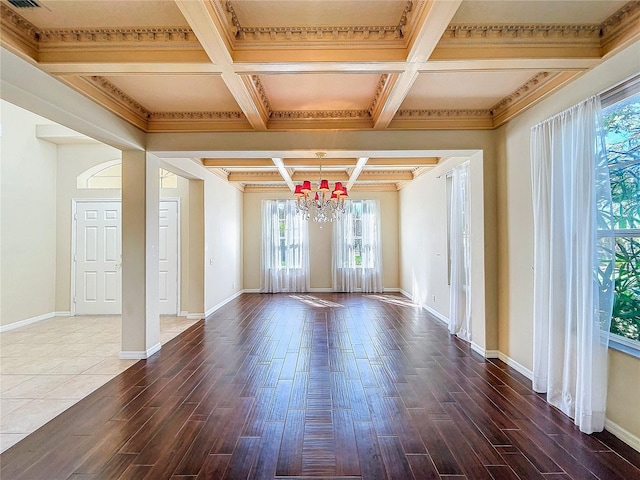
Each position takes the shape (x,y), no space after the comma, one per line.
(140,268)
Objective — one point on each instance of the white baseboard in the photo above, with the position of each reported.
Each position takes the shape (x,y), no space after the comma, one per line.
(27,321)
(319,290)
(183,313)
(63,314)
(516,366)
(436,314)
(405,293)
(195,316)
(251,290)
(391,290)
(223,303)
(624,435)
(140,354)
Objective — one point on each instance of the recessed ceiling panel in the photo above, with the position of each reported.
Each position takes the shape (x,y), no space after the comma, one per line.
(469,90)
(542,12)
(290,13)
(320,92)
(60,14)
(178,93)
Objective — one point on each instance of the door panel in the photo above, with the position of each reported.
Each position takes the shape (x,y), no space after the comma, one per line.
(98,252)
(168,257)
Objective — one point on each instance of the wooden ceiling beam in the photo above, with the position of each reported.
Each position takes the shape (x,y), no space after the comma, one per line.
(314,176)
(435,18)
(204,22)
(237,162)
(402,162)
(255,177)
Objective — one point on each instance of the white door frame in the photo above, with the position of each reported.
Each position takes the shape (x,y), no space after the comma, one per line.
(74,233)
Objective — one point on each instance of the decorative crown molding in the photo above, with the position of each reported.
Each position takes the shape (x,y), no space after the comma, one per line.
(225,116)
(422,114)
(262,93)
(317,34)
(119,96)
(320,114)
(627,16)
(523,91)
(382,82)
(19,26)
(523,33)
(182,35)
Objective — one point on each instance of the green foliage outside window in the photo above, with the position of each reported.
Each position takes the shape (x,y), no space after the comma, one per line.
(622,127)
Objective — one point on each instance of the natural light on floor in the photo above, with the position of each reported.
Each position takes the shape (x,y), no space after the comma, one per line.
(395,300)
(315,301)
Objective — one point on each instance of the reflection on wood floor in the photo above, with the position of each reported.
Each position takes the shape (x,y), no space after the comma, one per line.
(323,386)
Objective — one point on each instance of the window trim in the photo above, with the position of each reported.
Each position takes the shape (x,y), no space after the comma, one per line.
(608,98)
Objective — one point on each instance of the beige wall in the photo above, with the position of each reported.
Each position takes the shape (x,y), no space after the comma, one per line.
(223,207)
(320,240)
(515,226)
(28,217)
(424,256)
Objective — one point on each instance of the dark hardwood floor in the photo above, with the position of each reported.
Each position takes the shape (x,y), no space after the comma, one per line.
(322,386)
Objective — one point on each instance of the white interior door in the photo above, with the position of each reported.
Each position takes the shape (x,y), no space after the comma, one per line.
(168,256)
(97,257)
(98,254)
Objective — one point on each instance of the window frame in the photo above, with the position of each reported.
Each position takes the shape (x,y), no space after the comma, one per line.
(282,240)
(610,98)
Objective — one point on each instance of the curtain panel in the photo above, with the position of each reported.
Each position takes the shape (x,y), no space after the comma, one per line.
(460,247)
(285,249)
(573,263)
(352,272)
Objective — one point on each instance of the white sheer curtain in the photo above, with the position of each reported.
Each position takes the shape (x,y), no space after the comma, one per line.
(460,248)
(573,263)
(357,248)
(285,248)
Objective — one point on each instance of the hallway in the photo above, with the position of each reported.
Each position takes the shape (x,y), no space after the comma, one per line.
(323,386)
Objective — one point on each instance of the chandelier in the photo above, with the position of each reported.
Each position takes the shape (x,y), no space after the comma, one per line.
(323,204)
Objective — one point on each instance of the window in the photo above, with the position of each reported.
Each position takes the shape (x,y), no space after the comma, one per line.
(621,121)
(285,248)
(288,245)
(109,175)
(357,248)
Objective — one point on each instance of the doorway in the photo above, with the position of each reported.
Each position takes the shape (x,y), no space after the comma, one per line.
(97,257)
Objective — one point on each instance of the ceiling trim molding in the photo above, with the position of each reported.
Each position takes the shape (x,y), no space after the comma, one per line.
(251,188)
(261,93)
(325,35)
(532,92)
(229,115)
(118,95)
(622,26)
(19,30)
(374,187)
(524,90)
(182,35)
(319,114)
(477,33)
(479,119)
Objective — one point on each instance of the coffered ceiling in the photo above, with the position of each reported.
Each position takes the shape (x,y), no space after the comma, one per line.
(300,65)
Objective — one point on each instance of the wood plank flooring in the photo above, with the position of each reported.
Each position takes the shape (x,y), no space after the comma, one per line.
(328,386)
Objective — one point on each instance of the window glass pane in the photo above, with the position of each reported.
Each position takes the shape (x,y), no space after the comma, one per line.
(626,304)
(621,124)
(357,229)
(625,194)
(357,251)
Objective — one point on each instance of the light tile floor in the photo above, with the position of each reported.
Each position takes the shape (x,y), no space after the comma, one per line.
(47,367)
